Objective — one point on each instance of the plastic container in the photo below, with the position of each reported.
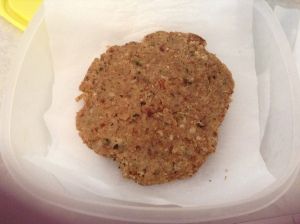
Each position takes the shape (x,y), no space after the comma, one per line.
(28,95)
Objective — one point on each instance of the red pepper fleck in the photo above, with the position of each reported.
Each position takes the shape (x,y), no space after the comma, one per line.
(162,48)
(134,131)
(194,37)
(149,112)
(170,148)
(161,83)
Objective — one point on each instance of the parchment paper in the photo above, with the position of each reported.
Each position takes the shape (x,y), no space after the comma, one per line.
(80,31)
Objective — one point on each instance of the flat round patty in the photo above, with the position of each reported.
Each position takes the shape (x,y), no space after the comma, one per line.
(155,106)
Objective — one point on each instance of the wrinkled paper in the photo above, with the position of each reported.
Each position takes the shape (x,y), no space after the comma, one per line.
(80,31)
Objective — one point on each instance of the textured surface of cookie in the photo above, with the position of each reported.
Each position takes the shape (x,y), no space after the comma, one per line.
(155,106)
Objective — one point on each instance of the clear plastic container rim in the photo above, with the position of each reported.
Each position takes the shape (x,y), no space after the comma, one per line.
(271,194)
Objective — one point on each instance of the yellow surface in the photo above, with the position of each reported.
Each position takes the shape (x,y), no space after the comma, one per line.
(19,12)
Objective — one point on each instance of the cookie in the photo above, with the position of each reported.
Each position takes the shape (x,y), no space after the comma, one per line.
(155,106)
